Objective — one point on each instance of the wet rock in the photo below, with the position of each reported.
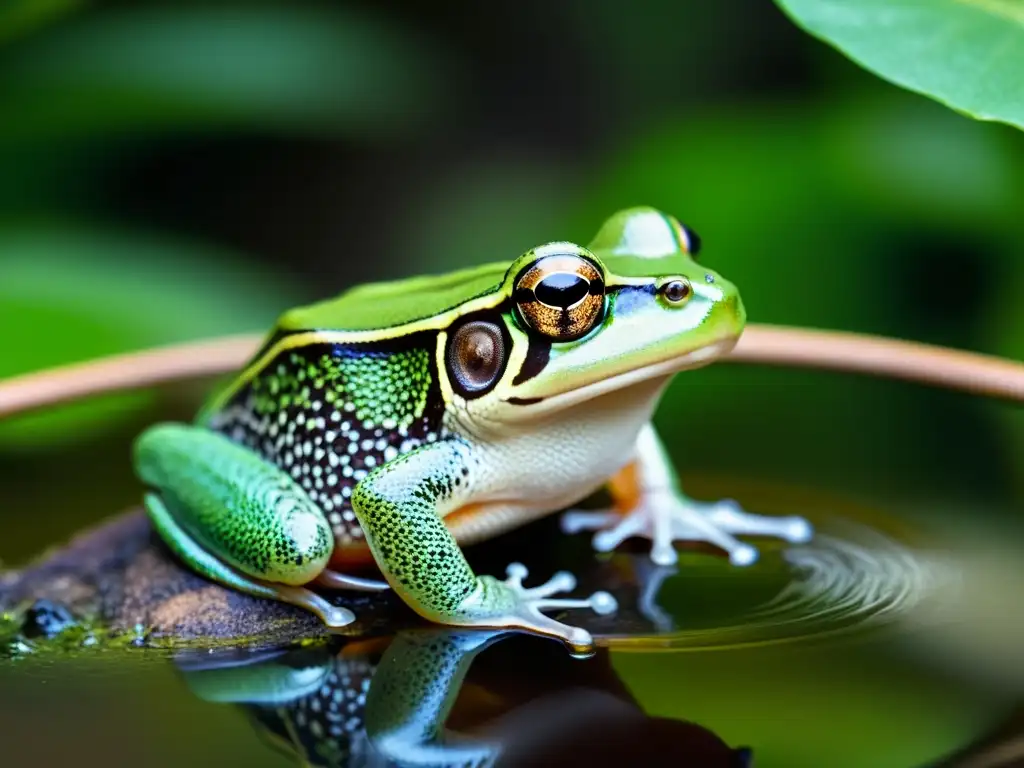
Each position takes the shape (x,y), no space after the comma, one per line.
(121,577)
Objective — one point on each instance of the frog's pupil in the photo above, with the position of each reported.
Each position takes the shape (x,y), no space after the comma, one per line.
(561,289)
(478,350)
(481,350)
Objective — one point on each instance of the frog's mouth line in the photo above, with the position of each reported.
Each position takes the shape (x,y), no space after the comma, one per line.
(696,358)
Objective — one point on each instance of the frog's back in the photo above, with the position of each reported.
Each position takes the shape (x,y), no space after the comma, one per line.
(391,305)
(637,242)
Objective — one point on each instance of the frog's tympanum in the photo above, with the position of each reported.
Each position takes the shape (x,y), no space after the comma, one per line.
(401,420)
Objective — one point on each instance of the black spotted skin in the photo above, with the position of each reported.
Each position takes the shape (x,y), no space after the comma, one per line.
(329,414)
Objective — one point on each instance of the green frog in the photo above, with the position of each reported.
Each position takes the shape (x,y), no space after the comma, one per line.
(400,421)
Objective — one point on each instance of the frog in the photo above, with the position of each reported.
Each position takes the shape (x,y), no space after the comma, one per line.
(392,425)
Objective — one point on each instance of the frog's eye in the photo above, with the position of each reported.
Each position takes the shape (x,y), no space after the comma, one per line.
(476,357)
(675,290)
(561,297)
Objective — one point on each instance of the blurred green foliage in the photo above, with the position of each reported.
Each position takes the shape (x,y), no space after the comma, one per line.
(191,66)
(72,292)
(78,97)
(18,17)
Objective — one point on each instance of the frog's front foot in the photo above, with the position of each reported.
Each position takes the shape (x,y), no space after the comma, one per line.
(665,517)
(508,604)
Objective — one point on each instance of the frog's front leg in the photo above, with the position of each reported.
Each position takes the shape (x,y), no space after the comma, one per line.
(400,507)
(239,520)
(657,509)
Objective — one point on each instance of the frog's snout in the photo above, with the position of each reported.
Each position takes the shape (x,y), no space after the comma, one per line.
(729,313)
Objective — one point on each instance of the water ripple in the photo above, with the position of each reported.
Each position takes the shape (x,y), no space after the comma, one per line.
(839,583)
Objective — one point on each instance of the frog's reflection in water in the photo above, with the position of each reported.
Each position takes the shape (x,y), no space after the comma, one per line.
(430,697)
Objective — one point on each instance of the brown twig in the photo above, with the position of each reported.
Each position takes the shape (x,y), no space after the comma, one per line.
(760,344)
(880,356)
(117,373)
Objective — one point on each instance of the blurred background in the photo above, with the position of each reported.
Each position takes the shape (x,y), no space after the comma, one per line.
(173,171)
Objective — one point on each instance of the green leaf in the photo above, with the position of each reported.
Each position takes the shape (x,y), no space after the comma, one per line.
(966,54)
(69,294)
(317,70)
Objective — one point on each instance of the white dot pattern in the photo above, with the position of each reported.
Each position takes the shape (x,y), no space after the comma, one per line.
(331,414)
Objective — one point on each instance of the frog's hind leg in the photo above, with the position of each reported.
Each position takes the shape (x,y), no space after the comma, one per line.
(208,566)
(236,518)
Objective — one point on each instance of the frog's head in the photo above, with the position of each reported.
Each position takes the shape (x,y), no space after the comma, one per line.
(580,322)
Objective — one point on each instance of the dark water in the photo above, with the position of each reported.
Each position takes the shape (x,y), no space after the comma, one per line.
(892,639)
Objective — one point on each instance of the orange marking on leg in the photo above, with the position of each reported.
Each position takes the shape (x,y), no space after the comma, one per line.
(624,487)
(464,513)
(350,557)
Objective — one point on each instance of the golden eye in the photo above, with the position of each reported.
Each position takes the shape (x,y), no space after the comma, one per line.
(561,297)
(476,357)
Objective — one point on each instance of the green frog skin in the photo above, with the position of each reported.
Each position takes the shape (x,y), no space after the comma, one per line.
(403,420)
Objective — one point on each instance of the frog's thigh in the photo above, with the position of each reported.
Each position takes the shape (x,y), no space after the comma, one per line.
(234,505)
(205,564)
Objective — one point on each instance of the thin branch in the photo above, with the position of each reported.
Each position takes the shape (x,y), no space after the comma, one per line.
(760,344)
(118,373)
(881,356)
